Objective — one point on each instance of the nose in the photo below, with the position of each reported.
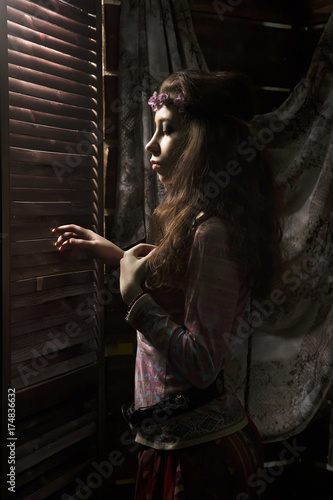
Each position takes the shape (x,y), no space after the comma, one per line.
(152,146)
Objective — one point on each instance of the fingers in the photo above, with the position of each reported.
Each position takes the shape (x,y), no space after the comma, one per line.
(72,228)
(71,235)
(65,239)
(67,227)
(141,250)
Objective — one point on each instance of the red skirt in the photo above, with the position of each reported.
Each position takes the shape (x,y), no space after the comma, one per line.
(224,469)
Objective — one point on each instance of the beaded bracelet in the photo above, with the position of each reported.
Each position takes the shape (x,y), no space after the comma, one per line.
(131,304)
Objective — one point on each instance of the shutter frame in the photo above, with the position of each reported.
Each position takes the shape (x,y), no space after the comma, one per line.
(51,120)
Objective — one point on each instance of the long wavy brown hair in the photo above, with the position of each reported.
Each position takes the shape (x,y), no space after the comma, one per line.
(216,175)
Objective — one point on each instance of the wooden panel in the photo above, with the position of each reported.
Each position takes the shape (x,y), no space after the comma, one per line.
(318,11)
(263,53)
(266,100)
(275,11)
(110,178)
(55,145)
(111,22)
(59,443)
(111,106)
(69,456)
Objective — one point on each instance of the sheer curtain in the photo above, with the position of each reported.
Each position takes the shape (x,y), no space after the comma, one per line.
(156,39)
(292,351)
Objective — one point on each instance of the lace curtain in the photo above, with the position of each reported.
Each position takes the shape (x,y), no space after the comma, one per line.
(292,350)
(156,39)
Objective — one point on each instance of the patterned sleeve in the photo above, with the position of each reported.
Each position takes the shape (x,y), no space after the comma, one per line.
(198,349)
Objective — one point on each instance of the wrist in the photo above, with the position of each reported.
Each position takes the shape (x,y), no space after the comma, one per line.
(131,295)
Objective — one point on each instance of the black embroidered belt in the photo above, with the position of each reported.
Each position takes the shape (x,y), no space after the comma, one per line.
(175,405)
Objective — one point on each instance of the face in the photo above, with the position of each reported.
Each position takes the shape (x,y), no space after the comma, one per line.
(166,143)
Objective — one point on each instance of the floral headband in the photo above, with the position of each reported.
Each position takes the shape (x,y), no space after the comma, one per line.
(158,100)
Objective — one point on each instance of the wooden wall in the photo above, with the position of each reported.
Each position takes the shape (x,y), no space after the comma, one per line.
(272,41)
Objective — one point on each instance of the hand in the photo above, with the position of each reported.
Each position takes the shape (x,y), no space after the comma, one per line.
(76,237)
(133,271)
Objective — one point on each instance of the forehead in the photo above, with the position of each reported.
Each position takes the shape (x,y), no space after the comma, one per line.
(168,113)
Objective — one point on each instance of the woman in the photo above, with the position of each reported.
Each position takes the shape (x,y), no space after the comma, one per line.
(217,242)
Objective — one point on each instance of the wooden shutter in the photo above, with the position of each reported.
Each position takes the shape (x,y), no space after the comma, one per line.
(51,161)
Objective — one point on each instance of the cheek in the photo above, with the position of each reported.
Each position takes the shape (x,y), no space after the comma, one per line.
(174,150)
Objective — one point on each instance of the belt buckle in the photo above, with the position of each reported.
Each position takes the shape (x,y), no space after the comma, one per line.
(182,400)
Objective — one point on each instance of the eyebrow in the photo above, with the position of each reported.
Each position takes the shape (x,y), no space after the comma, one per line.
(162,120)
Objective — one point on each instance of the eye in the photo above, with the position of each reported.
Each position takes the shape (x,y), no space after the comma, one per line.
(167,130)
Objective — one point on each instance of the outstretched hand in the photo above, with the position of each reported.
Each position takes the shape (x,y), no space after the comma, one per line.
(133,271)
(77,237)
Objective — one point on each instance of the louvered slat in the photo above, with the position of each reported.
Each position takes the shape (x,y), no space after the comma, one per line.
(43,25)
(58,44)
(57,17)
(29,181)
(25,49)
(35,271)
(53,115)
(44,368)
(49,80)
(51,282)
(46,158)
(46,67)
(33,194)
(67,317)
(79,304)
(55,340)
(50,94)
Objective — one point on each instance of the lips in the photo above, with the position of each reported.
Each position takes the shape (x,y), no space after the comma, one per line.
(154,165)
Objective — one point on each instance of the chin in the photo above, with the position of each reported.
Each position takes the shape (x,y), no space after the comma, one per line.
(164,180)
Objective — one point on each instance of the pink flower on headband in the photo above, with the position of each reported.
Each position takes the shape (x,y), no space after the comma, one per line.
(158,100)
